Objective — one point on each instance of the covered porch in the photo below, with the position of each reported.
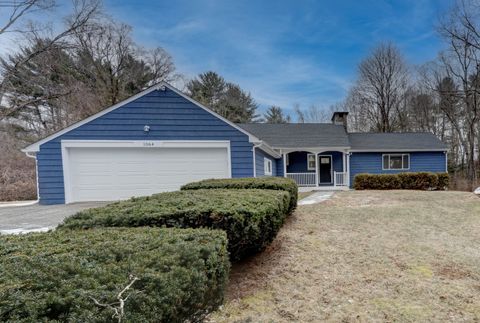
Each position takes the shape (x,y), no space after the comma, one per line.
(318,169)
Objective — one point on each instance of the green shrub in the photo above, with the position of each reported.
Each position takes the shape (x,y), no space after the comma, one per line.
(443,181)
(251,218)
(376,182)
(409,181)
(57,276)
(269,183)
(418,181)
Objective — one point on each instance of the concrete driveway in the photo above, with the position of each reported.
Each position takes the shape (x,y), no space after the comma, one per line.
(35,218)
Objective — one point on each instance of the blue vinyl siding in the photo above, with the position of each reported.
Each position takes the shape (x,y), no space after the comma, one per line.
(260,163)
(419,162)
(279,165)
(298,161)
(170,117)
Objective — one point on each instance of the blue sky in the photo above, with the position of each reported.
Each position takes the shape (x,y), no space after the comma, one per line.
(283,52)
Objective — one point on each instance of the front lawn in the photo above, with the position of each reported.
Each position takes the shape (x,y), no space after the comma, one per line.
(366,256)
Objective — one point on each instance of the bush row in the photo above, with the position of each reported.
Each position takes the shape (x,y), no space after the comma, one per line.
(269,183)
(251,218)
(70,276)
(409,181)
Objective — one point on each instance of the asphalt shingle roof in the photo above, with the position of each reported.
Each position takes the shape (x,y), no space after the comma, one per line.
(396,140)
(291,135)
(311,135)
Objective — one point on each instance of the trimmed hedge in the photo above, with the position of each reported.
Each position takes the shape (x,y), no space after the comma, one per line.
(269,183)
(443,181)
(407,181)
(251,218)
(56,276)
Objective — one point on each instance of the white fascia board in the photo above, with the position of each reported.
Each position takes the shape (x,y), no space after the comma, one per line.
(266,148)
(312,149)
(395,150)
(35,147)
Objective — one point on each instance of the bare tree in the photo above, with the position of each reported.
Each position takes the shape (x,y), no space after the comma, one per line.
(313,114)
(460,66)
(19,10)
(39,37)
(379,92)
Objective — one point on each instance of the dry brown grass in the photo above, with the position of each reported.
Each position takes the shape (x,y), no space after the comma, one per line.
(366,256)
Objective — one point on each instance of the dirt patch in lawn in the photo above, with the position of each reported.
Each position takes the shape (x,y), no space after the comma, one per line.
(302,195)
(366,256)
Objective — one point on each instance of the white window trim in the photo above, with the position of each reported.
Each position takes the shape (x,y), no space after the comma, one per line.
(267,162)
(383,164)
(308,162)
(147,144)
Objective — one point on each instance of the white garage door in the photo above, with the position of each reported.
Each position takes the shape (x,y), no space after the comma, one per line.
(106,174)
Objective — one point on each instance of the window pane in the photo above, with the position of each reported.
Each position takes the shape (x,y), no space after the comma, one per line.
(311,162)
(395,161)
(385,162)
(405,162)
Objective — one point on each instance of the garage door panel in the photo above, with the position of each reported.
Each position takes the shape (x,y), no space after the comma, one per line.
(119,173)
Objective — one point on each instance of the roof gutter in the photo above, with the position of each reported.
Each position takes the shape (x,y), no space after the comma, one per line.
(266,148)
(395,150)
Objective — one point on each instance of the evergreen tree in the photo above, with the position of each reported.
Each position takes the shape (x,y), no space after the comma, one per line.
(226,99)
(275,115)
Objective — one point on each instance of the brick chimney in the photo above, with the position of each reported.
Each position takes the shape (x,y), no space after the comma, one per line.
(340,118)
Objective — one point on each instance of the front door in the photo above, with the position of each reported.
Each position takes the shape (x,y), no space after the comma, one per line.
(325,169)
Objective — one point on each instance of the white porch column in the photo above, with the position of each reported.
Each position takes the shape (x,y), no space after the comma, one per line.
(284,164)
(348,169)
(317,165)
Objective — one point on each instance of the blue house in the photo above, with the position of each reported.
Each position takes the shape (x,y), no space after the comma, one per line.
(161,139)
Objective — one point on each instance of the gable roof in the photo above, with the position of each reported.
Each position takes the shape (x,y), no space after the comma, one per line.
(397,141)
(327,135)
(35,147)
(292,135)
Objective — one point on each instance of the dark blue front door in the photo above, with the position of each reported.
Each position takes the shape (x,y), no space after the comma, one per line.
(325,163)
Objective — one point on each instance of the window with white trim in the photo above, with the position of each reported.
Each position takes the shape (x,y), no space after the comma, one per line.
(396,161)
(311,162)
(267,165)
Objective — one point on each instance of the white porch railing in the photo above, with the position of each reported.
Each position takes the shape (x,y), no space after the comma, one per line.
(340,179)
(303,179)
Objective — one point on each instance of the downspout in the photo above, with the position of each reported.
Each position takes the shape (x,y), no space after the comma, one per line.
(254,159)
(446,161)
(36,174)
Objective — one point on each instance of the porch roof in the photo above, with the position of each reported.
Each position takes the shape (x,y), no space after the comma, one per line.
(295,135)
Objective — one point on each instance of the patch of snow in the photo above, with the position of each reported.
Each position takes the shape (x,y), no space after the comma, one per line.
(315,198)
(22,230)
(17,203)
